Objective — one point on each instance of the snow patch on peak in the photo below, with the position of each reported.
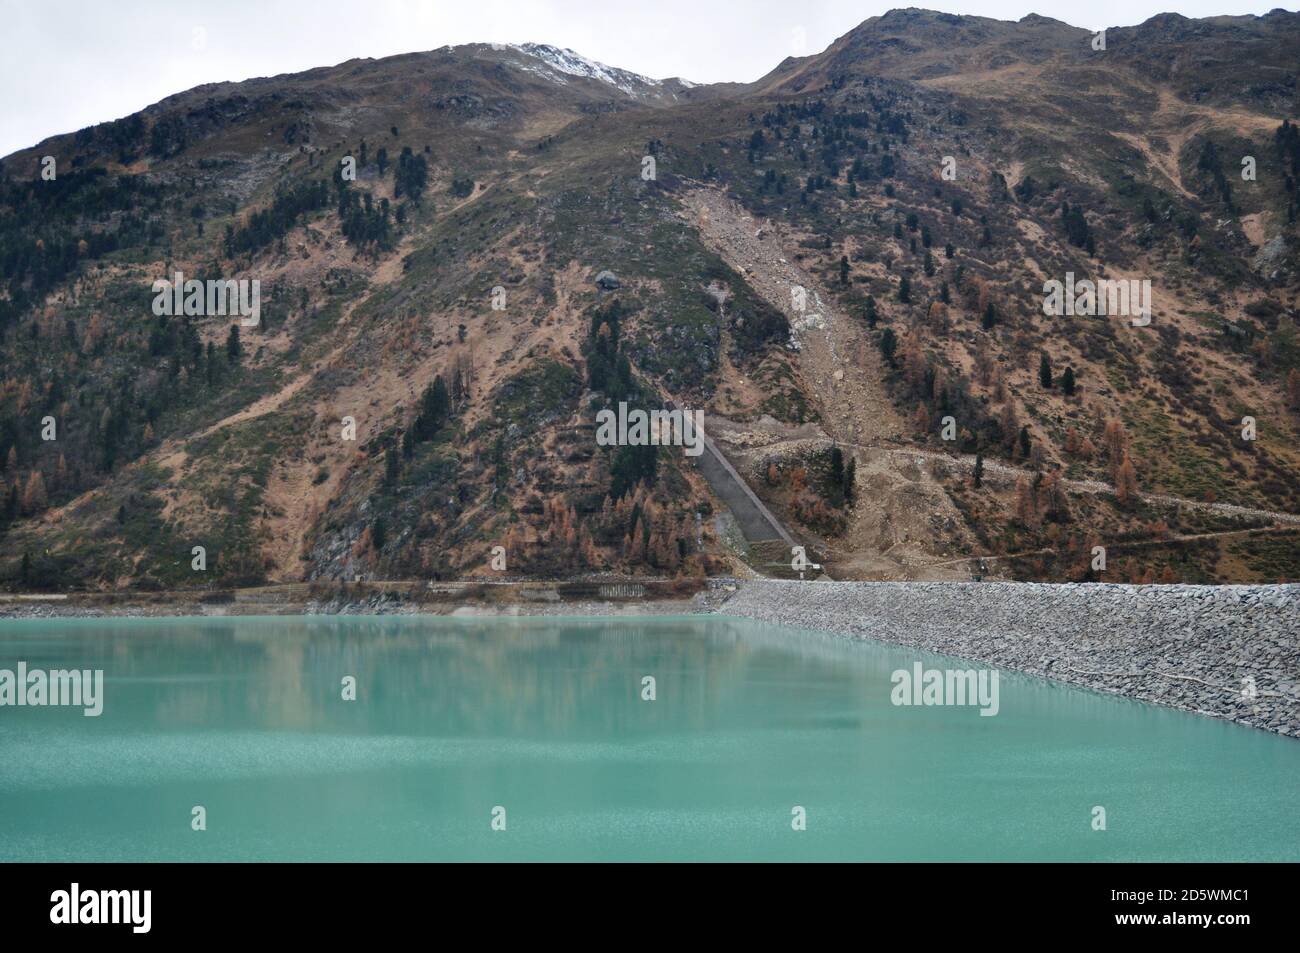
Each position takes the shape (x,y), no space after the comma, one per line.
(575,64)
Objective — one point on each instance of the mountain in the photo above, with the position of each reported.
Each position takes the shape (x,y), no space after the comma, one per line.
(844,264)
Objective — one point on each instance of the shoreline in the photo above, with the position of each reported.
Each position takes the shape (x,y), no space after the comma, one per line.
(1201,649)
(1230,652)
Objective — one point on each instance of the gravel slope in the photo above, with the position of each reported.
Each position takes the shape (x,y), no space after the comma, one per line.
(1189,647)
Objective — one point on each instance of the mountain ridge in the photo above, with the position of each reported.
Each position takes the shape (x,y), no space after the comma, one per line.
(898,17)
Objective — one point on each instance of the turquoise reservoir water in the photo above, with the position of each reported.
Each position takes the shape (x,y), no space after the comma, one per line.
(545,719)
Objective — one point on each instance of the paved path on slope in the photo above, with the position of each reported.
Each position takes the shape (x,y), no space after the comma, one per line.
(756,520)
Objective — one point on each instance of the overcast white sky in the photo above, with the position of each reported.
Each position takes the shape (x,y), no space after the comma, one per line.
(79,62)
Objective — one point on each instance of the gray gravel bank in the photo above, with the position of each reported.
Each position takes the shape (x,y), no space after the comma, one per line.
(1191,647)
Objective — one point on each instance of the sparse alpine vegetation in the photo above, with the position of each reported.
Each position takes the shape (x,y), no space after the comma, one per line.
(465,254)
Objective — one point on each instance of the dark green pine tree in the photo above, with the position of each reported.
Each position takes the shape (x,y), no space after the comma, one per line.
(435,405)
(234,350)
(1067,382)
(837,475)
(888,345)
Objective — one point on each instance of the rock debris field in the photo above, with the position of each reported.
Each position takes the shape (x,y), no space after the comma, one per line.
(1228,651)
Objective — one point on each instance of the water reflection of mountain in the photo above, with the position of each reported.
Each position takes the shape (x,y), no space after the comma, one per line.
(528,677)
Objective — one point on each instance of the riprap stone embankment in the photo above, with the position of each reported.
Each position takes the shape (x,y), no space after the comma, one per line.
(1228,651)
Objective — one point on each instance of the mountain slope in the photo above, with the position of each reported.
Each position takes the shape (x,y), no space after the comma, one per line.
(444,304)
